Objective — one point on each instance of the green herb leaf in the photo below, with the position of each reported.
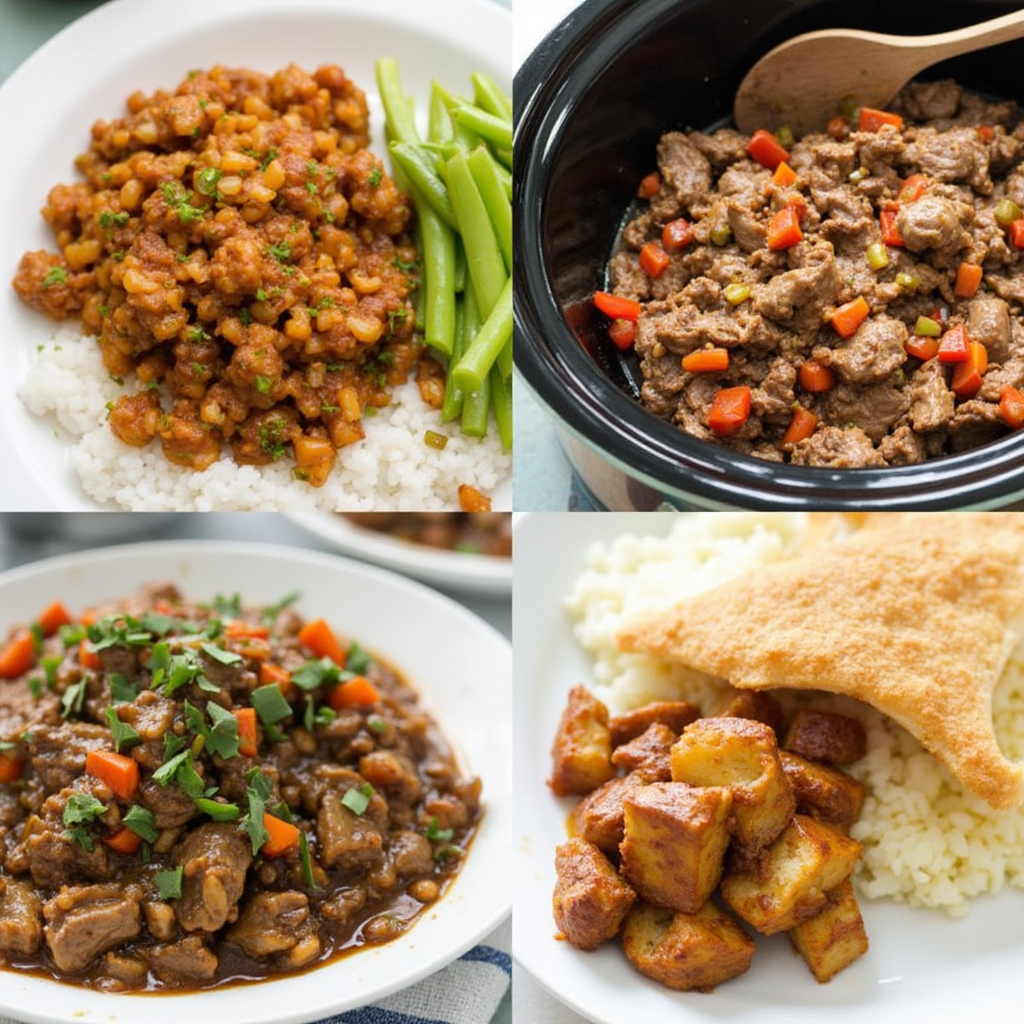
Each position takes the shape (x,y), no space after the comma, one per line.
(221,655)
(358,798)
(228,607)
(357,660)
(222,738)
(270,704)
(55,275)
(307,862)
(73,699)
(122,733)
(206,180)
(217,810)
(168,883)
(257,795)
(438,835)
(122,690)
(142,822)
(314,673)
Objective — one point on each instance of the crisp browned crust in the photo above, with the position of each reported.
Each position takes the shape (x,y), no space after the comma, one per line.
(915,614)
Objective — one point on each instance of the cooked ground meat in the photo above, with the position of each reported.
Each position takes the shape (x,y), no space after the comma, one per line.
(484,533)
(195,793)
(887,218)
(237,246)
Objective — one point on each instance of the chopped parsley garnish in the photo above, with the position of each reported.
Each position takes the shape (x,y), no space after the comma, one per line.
(358,798)
(73,699)
(222,737)
(314,673)
(55,275)
(179,201)
(374,178)
(271,707)
(110,220)
(206,180)
(221,655)
(436,834)
(71,635)
(356,659)
(122,690)
(168,883)
(122,733)
(81,809)
(270,439)
(263,384)
(258,793)
(142,822)
(282,251)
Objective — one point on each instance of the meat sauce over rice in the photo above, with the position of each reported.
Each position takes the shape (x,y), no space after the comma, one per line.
(236,244)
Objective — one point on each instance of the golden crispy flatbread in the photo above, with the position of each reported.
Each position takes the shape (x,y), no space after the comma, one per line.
(915,614)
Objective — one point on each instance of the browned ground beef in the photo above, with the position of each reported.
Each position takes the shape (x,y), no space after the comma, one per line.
(171,884)
(236,242)
(886,407)
(483,533)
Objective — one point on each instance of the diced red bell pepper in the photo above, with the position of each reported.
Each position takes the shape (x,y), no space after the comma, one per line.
(622,333)
(783,231)
(766,149)
(1011,407)
(653,259)
(953,346)
(871,120)
(676,234)
(966,382)
(616,306)
(890,232)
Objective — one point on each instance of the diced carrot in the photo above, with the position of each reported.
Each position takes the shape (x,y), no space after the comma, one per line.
(966,380)
(255,647)
(848,317)
(320,639)
(282,839)
(247,740)
(870,120)
(889,228)
(913,188)
(801,426)
(124,840)
(1011,406)
(617,307)
(953,346)
(968,279)
(10,768)
(706,360)
(87,656)
(272,673)
(783,230)
(837,126)
(120,773)
(922,348)
(238,628)
(784,175)
(730,409)
(473,500)
(18,655)
(815,376)
(1017,234)
(653,259)
(355,692)
(88,618)
(53,617)
(676,234)
(985,132)
(622,333)
(649,185)
(766,149)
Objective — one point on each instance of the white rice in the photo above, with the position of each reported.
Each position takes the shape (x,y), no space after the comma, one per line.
(927,841)
(392,469)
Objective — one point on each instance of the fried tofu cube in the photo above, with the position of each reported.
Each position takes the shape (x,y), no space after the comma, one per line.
(686,951)
(649,754)
(832,939)
(676,714)
(582,748)
(741,754)
(755,704)
(824,736)
(674,845)
(822,791)
(590,899)
(599,817)
(790,881)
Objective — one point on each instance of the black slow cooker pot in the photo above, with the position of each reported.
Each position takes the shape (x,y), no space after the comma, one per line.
(591,102)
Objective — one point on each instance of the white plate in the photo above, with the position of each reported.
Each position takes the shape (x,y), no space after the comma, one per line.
(84,74)
(439,646)
(482,574)
(922,965)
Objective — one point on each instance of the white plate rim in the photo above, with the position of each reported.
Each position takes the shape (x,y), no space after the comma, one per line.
(39,83)
(479,894)
(918,963)
(482,574)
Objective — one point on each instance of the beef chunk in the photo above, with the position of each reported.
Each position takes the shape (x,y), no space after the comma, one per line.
(83,921)
(214,858)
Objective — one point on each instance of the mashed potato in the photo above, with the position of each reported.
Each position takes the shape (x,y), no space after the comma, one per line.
(926,840)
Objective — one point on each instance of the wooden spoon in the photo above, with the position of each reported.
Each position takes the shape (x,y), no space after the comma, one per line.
(801,82)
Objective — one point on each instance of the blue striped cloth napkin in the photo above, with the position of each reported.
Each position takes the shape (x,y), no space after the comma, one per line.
(467,991)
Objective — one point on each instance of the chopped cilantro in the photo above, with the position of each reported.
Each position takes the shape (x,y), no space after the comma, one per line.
(222,738)
(80,810)
(258,793)
(436,834)
(206,180)
(55,275)
(270,704)
(73,699)
(168,883)
(142,822)
(179,201)
(356,659)
(263,384)
(282,251)
(122,733)
(375,177)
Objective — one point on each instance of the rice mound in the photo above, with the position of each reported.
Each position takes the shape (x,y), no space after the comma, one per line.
(392,469)
(927,841)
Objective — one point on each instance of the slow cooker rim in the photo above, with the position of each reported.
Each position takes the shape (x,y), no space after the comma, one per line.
(554,364)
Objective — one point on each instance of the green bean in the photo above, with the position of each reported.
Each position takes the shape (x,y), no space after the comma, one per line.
(483,255)
(438,278)
(501,405)
(439,119)
(505,157)
(488,96)
(419,168)
(496,130)
(476,405)
(451,407)
(495,332)
(499,209)
(503,360)
(397,107)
